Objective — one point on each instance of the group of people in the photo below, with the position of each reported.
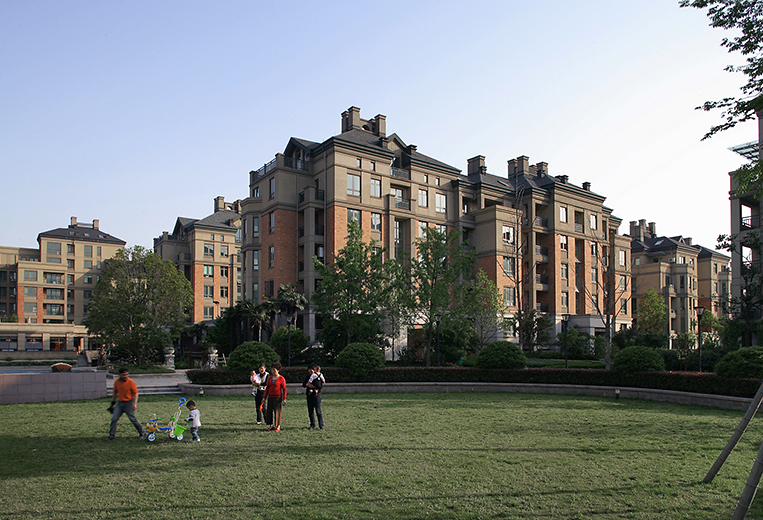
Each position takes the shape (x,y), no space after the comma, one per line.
(269,390)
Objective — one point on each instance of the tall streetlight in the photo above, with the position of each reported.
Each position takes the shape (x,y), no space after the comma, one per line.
(289,319)
(437,318)
(565,322)
(700,311)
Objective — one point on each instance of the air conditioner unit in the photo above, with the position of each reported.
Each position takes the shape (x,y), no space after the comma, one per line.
(671,260)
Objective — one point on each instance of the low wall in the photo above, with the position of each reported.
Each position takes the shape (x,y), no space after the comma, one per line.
(51,386)
(668,396)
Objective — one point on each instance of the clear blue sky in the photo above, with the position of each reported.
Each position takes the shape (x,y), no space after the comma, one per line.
(138,112)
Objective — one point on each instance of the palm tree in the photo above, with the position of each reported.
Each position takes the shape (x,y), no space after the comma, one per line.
(254,314)
(290,301)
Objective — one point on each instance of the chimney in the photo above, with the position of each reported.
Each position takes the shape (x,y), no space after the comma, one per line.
(351,119)
(652,229)
(512,166)
(96,223)
(563,178)
(380,125)
(384,142)
(688,241)
(475,164)
(411,149)
(73,222)
(523,164)
(541,169)
(587,186)
(637,231)
(219,204)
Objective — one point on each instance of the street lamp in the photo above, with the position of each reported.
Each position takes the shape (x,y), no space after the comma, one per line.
(437,318)
(700,311)
(565,322)
(289,319)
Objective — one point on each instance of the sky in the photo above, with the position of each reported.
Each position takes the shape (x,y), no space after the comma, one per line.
(137,113)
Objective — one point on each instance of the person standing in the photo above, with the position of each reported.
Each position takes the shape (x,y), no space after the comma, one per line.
(313,384)
(125,400)
(194,420)
(259,381)
(275,394)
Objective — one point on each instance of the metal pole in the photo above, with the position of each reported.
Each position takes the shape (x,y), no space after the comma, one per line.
(748,495)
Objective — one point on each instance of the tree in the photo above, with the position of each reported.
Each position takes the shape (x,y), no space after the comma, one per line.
(651,315)
(440,262)
(290,301)
(352,285)
(577,342)
(484,304)
(139,305)
(533,327)
(748,304)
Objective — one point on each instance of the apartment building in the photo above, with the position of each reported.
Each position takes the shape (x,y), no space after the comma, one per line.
(48,289)
(541,239)
(684,274)
(207,251)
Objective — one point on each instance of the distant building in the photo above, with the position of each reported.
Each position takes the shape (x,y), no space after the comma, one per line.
(207,251)
(684,274)
(48,289)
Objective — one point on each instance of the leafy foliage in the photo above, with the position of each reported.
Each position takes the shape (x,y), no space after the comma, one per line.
(249,355)
(484,304)
(636,336)
(355,328)
(501,354)
(534,328)
(577,343)
(652,315)
(745,362)
(139,305)
(361,359)
(632,360)
(749,302)
(279,341)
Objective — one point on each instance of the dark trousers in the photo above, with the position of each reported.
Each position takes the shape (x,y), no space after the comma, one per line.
(124,407)
(313,409)
(259,399)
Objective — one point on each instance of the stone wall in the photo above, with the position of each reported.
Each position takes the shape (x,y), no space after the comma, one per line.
(51,386)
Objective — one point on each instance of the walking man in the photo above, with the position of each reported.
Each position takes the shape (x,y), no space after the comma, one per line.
(125,400)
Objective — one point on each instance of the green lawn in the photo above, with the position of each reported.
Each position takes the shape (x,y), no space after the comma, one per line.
(393,456)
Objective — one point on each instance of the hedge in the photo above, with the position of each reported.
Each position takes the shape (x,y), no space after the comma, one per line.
(705,383)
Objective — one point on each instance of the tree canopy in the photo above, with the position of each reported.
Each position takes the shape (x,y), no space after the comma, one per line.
(139,305)
(651,314)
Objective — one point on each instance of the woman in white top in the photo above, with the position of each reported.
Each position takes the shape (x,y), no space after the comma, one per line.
(259,381)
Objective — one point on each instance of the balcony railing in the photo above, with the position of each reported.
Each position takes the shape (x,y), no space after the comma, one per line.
(264,170)
(541,250)
(540,221)
(751,222)
(541,307)
(402,204)
(400,173)
(297,164)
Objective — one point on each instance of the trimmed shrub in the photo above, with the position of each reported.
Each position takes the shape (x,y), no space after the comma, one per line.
(710,358)
(250,354)
(671,359)
(632,360)
(501,354)
(745,362)
(361,359)
(61,367)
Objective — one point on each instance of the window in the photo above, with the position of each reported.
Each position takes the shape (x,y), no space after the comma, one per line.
(593,221)
(563,242)
(681,259)
(12,276)
(271,256)
(209,313)
(437,181)
(423,198)
(212,237)
(373,166)
(423,229)
(594,275)
(255,291)
(256,191)
(30,292)
(87,279)
(426,179)
(359,162)
(54,309)
(88,251)
(209,250)
(564,271)
(682,282)
(439,203)
(272,187)
(224,271)
(70,249)
(353,185)
(509,296)
(508,266)
(70,278)
(256,227)
(376,222)
(30,307)
(621,258)
(209,291)
(98,251)
(209,271)
(623,282)
(224,251)
(272,223)
(441,228)
(562,214)
(88,264)
(53,260)
(54,294)
(30,276)
(507,232)
(53,278)
(353,214)
(255,260)
(715,268)
(375,187)
(594,249)
(54,248)
(624,306)
(70,264)
(224,291)
(565,299)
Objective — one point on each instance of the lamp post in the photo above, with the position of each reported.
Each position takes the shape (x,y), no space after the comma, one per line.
(700,311)
(437,318)
(289,319)
(565,321)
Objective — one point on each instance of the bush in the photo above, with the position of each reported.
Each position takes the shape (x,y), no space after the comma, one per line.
(361,359)
(632,360)
(671,359)
(280,340)
(745,362)
(501,354)
(250,354)
(61,367)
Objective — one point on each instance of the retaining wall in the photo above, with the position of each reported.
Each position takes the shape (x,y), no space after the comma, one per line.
(51,386)
(668,396)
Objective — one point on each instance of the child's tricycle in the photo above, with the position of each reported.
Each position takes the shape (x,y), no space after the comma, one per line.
(173,429)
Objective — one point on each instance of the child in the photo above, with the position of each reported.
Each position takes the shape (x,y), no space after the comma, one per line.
(194,420)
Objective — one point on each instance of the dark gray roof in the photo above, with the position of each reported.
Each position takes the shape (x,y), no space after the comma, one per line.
(81,233)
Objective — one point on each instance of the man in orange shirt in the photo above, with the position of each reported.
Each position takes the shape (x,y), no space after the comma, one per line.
(125,400)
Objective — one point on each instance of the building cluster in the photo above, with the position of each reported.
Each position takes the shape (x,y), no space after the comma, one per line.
(548,244)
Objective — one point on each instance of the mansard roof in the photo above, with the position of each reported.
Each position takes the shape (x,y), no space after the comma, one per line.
(77,232)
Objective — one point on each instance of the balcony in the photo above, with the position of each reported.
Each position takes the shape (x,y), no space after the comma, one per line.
(541,307)
(402,204)
(751,222)
(540,221)
(542,252)
(264,170)
(399,173)
(297,164)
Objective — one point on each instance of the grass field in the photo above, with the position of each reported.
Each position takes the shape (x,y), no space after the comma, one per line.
(394,456)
